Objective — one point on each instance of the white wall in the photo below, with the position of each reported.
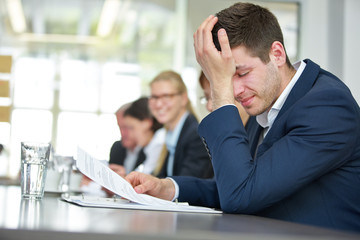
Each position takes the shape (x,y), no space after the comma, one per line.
(352,47)
(330,36)
(313,34)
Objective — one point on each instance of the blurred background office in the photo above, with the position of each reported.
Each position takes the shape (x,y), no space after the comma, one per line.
(66,66)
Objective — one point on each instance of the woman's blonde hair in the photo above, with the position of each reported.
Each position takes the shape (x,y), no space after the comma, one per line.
(177,81)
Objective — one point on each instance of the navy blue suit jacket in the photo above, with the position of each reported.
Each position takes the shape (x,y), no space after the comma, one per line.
(307,169)
(191,158)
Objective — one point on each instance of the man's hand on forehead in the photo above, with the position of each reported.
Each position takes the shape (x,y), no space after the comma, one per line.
(218,66)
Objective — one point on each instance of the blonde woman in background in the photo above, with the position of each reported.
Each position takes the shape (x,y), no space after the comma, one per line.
(170,105)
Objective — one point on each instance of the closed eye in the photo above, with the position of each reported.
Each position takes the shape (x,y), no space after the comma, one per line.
(243,74)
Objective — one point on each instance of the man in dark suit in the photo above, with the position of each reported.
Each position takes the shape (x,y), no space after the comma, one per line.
(303,163)
(125,155)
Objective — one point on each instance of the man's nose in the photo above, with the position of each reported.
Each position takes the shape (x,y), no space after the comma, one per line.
(238,88)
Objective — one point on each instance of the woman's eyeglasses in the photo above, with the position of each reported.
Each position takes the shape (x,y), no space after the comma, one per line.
(163,97)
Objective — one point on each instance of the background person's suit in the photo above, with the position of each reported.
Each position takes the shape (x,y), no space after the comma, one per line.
(191,158)
(118,155)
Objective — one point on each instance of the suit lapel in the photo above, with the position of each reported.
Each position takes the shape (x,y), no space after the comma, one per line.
(180,143)
(141,158)
(122,155)
(302,86)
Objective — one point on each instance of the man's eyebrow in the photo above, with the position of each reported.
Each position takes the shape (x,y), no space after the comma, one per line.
(241,66)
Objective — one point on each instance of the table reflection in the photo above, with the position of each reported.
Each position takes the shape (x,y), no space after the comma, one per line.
(40,219)
(147,221)
(31,213)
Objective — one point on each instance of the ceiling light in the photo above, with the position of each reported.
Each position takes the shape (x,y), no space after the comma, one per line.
(16,14)
(59,38)
(108,17)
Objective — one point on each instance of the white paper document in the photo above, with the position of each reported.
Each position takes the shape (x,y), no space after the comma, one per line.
(103,175)
(91,201)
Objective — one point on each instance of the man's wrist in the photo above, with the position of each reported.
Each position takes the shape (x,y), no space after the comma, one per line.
(218,103)
(222,96)
(176,189)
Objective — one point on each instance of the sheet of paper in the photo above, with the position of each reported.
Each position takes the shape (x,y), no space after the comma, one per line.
(103,175)
(88,201)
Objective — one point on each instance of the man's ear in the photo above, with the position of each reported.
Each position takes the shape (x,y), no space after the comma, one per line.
(277,53)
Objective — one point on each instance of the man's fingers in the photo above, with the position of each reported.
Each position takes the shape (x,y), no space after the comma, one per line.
(139,181)
(203,37)
(224,43)
(132,178)
(143,184)
(208,42)
(198,35)
(139,189)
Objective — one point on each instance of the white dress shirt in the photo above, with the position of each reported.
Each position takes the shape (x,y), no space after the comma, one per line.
(267,118)
(130,159)
(152,151)
(172,138)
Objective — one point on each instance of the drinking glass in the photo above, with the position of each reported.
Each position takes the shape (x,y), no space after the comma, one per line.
(64,165)
(34,160)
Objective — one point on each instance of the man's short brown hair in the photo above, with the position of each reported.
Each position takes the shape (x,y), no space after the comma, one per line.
(251,26)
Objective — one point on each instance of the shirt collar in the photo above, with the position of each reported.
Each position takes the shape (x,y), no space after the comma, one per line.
(157,139)
(267,118)
(172,136)
(134,152)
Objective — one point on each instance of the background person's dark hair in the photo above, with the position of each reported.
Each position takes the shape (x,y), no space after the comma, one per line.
(139,109)
(251,26)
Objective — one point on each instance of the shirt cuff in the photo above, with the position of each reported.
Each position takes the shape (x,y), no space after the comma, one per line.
(176,189)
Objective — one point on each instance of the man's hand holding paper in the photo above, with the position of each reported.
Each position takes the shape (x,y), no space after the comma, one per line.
(147,184)
(107,178)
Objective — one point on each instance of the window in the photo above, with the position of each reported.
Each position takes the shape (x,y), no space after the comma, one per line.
(79,86)
(28,125)
(34,78)
(67,81)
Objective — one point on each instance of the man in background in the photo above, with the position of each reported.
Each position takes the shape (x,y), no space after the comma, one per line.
(125,155)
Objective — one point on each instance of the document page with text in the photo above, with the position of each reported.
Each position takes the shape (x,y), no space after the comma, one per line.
(103,175)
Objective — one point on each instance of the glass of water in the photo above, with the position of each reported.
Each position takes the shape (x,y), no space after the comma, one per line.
(64,165)
(34,160)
